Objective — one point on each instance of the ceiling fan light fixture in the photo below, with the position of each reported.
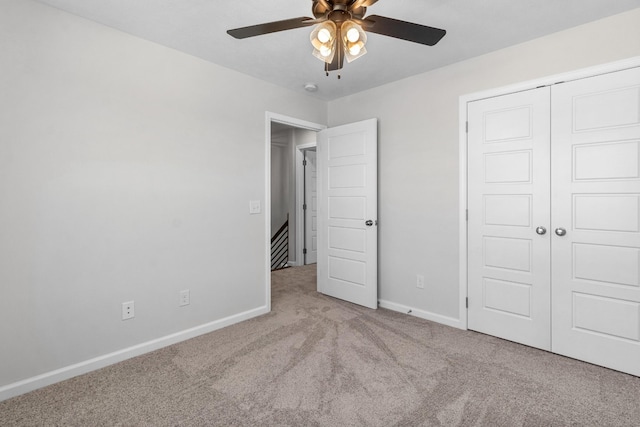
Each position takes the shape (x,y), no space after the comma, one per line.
(353,35)
(325,51)
(325,54)
(354,38)
(324,35)
(356,48)
(323,39)
(354,53)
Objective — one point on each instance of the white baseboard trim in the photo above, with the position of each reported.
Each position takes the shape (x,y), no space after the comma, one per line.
(427,315)
(48,378)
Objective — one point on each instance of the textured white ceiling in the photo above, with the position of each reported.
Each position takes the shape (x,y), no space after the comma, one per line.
(474,27)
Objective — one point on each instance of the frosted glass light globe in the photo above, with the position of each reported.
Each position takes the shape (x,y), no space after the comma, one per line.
(325,51)
(324,35)
(353,35)
(355,49)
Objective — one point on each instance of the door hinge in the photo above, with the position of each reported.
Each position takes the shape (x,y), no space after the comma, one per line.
(467,302)
(467,127)
(304,251)
(304,207)
(304,163)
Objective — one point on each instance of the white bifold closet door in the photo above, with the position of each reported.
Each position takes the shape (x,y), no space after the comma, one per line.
(508,198)
(554,218)
(596,199)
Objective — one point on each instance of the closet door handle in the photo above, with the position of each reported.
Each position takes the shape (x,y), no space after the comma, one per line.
(541,231)
(561,231)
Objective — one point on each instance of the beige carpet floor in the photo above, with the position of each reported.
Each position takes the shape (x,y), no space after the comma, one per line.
(317,361)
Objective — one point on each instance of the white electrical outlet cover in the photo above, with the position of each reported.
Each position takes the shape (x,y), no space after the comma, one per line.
(128,310)
(184,298)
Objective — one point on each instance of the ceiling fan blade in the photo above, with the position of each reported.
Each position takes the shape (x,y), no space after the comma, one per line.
(362,3)
(271,27)
(324,4)
(403,30)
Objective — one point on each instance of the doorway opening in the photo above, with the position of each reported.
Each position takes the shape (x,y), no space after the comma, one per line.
(288,141)
(347,207)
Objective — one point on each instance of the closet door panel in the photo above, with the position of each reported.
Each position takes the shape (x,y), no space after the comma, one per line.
(508,188)
(596,199)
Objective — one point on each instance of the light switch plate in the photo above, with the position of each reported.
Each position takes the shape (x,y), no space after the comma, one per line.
(254,207)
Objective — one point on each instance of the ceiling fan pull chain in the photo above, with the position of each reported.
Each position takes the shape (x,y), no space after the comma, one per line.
(340,50)
(340,53)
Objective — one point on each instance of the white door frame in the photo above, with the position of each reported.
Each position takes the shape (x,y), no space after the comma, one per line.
(300,232)
(294,122)
(462,143)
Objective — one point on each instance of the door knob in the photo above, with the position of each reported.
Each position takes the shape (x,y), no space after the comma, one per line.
(369,223)
(541,230)
(561,231)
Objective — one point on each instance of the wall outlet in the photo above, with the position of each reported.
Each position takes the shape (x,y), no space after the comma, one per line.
(420,281)
(184,298)
(127,310)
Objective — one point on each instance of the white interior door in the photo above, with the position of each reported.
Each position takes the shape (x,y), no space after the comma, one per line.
(508,199)
(347,212)
(596,199)
(311,208)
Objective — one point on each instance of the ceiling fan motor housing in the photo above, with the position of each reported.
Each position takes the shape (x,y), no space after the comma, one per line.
(337,10)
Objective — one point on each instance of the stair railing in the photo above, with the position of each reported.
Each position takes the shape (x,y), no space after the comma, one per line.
(280,247)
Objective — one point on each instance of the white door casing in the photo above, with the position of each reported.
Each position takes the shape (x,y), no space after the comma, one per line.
(508,199)
(596,199)
(347,200)
(311,208)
